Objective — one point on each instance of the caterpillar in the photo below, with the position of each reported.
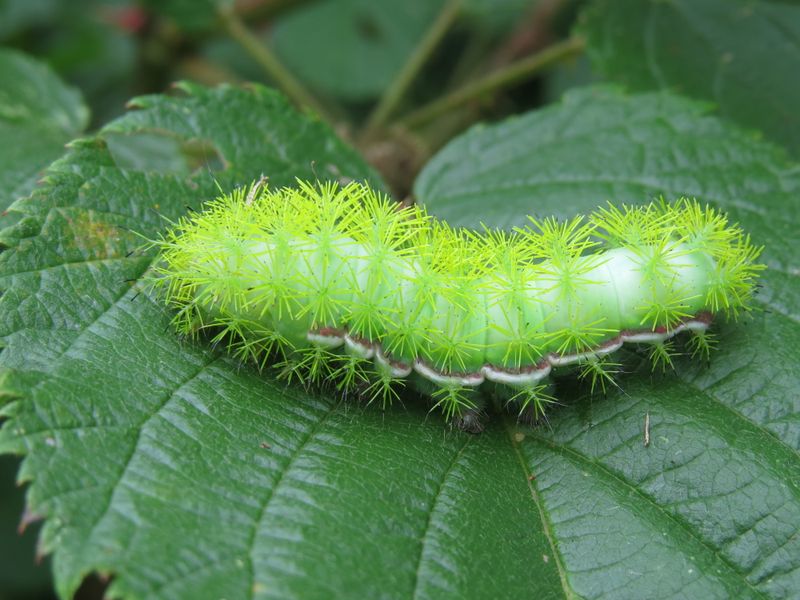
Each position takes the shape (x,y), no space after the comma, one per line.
(339,284)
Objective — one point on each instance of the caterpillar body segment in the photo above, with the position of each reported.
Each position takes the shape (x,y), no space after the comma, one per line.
(339,284)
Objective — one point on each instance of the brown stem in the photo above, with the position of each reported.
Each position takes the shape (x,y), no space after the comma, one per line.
(397,89)
(510,75)
(269,62)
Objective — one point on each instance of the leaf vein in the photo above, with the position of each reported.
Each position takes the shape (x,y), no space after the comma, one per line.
(423,540)
(635,491)
(546,525)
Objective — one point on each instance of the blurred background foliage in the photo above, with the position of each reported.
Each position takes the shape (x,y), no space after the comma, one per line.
(339,57)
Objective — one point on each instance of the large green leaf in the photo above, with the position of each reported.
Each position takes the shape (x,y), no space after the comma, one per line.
(186,475)
(728,434)
(742,54)
(38,115)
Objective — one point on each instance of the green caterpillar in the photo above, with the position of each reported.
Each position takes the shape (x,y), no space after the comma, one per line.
(339,284)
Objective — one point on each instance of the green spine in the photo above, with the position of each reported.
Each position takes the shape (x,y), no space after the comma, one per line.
(339,283)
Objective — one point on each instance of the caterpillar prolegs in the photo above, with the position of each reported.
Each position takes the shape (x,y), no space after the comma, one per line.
(339,284)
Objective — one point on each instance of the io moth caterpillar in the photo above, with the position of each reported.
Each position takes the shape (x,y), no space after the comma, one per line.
(338,284)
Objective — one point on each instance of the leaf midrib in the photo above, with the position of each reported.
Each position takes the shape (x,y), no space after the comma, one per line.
(547,529)
(263,509)
(431,511)
(581,458)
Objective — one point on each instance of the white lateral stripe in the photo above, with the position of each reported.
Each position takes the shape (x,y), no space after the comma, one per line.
(557,360)
(326,341)
(569,359)
(358,349)
(400,370)
(515,379)
(396,370)
(609,348)
(695,325)
(649,337)
(431,374)
(654,337)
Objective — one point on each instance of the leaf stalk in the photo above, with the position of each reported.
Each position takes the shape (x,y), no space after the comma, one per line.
(267,60)
(397,89)
(510,75)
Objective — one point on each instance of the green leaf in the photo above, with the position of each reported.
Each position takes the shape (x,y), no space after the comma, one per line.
(38,115)
(183,474)
(701,511)
(600,146)
(742,54)
(352,49)
(66,281)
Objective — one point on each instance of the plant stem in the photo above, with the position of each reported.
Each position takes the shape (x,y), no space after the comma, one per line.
(397,89)
(498,80)
(269,62)
(266,10)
